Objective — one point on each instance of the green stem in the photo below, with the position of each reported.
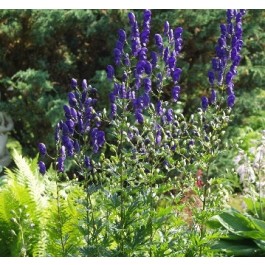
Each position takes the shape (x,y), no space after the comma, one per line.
(204,205)
(60,219)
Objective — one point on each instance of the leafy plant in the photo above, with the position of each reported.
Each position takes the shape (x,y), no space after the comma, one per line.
(244,234)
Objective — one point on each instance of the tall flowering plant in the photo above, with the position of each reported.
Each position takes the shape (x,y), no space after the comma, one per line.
(150,153)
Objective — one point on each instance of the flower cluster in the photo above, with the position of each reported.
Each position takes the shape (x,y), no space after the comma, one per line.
(227,59)
(141,85)
(79,133)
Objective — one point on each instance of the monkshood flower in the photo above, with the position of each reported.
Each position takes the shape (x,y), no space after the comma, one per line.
(81,121)
(229,45)
(110,72)
(42,149)
(42,167)
(204,103)
(146,72)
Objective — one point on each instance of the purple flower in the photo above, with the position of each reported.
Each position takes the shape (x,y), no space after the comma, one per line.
(142,54)
(110,72)
(171,61)
(166,27)
(63,152)
(223,29)
(229,15)
(42,149)
(158,137)
(65,129)
(230,89)
(145,36)
(153,59)
(146,100)
(147,85)
(119,46)
(131,17)
(216,64)
(175,93)
(158,40)
(72,99)
(169,115)
(112,97)
(147,15)
(71,125)
(213,96)
(73,83)
(140,67)
(211,77)
(231,100)
(204,103)
(159,109)
(60,164)
(139,116)
(113,110)
(229,77)
(126,60)
(76,146)
(84,84)
(148,68)
(166,53)
(87,163)
(238,30)
(122,35)
(117,56)
(178,32)
(176,74)
(42,167)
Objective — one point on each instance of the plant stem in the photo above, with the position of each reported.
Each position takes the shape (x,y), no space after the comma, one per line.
(204,205)
(60,219)
(121,184)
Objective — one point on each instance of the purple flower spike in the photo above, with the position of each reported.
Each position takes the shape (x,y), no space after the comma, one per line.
(131,17)
(147,15)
